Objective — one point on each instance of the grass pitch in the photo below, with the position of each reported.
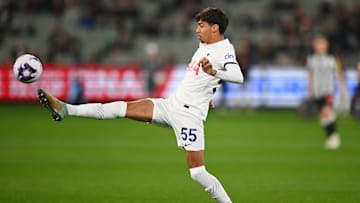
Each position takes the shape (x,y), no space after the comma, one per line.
(260,156)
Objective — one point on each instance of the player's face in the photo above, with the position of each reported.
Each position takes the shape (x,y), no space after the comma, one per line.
(204,31)
(320,46)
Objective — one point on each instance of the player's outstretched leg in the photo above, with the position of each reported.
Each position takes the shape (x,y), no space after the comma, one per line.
(140,110)
(56,107)
(59,109)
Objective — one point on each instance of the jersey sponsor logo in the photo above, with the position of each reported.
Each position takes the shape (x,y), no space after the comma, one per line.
(193,66)
(229,56)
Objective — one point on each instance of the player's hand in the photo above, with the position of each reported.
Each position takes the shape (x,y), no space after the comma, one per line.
(207,66)
(211,104)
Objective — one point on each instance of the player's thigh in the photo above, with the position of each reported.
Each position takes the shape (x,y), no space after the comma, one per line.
(141,110)
(189,131)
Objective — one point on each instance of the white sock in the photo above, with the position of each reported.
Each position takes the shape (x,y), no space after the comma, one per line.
(98,110)
(211,184)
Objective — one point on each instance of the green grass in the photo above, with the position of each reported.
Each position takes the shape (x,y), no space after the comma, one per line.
(260,156)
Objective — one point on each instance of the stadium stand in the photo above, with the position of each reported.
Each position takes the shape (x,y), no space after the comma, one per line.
(283,27)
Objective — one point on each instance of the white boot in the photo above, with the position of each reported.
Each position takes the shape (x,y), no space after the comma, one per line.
(332,142)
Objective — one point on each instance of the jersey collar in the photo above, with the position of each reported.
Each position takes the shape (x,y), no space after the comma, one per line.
(214,45)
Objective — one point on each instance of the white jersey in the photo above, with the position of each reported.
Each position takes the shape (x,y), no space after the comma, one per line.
(197,88)
(323,69)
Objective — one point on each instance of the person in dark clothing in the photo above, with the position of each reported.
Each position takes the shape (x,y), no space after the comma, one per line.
(355,100)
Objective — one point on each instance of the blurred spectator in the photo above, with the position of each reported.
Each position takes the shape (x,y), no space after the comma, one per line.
(346,29)
(127,9)
(18,49)
(171,58)
(7,9)
(126,12)
(123,41)
(76,94)
(58,42)
(115,50)
(245,56)
(151,27)
(289,24)
(151,63)
(266,52)
(88,18)
(57,7)
(191,7)
(282,5)
(325,8)
(62,43)
(72,13)
(116,57)
(355,101)
(75,50)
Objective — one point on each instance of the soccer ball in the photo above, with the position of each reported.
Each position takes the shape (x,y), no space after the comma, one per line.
(27,68)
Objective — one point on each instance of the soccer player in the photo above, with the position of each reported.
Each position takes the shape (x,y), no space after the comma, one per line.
(186,109)
(323,69)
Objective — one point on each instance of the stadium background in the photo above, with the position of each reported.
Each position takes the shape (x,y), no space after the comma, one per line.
(133,49)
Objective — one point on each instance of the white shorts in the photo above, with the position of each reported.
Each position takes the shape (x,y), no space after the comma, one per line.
(183,119)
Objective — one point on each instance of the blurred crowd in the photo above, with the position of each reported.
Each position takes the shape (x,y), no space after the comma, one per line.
(296,27)
(289,20)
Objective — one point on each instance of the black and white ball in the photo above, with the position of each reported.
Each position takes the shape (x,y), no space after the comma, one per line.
(27,68)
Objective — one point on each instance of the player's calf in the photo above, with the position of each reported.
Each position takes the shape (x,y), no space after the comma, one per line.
(98,110)
(328,122)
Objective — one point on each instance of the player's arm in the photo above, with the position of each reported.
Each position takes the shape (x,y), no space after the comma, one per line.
(310,85)
(211,104)
(341,82)
(310,79)
(232,72)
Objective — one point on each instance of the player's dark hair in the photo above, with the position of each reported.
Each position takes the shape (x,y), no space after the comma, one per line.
(320,36)
(214,16)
